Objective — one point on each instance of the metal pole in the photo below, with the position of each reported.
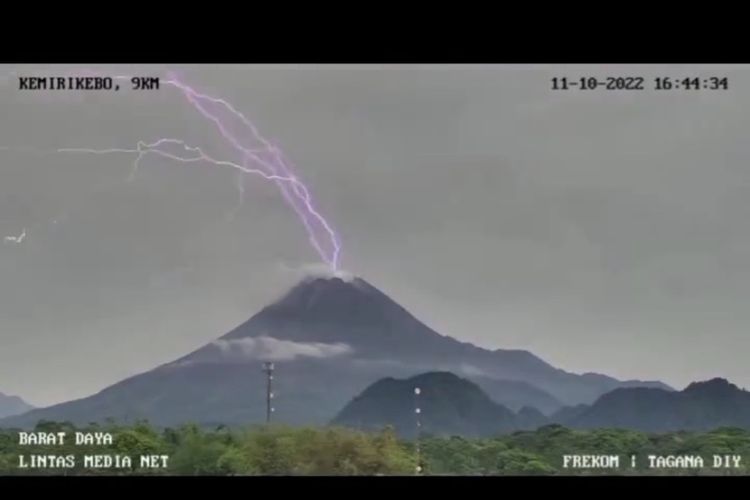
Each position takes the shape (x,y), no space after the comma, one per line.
(268,370)
(418,413)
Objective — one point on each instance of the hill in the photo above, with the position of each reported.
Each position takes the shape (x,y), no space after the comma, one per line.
(701,406)
(12,405)
(448,404)
(516,394)
(330,338)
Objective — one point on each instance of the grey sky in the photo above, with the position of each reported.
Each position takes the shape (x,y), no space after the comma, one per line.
(603,231)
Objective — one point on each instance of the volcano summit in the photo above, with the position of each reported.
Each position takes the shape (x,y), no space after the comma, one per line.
(331,337)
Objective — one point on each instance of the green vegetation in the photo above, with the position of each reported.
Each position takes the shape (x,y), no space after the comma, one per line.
(278,450)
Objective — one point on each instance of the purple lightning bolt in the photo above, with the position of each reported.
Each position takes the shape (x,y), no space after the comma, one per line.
(296,194)
(254,149)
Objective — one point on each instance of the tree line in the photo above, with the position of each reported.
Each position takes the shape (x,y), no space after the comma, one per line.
(280,450)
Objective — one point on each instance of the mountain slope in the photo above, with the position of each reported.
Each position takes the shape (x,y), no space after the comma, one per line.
(448,405)
(330,338)
(701,406)
(356,314)
(531,418)
(12,405)
(568,414)
(516,394)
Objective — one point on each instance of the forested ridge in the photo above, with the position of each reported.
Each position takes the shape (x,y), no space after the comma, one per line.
(279,450)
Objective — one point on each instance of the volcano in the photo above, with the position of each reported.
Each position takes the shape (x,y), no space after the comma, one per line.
(330,338)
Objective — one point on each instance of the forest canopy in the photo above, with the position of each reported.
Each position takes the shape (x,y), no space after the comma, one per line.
(279,450)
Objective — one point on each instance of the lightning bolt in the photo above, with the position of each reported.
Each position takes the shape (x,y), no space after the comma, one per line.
(136,165)
(260,158)
(142,148)
(240,196)
(16,239)
(298,196)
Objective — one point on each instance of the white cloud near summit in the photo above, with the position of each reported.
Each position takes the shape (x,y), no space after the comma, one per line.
(272,349)
(316,270)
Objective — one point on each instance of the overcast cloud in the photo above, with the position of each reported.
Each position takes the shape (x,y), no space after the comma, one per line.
(603,231)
